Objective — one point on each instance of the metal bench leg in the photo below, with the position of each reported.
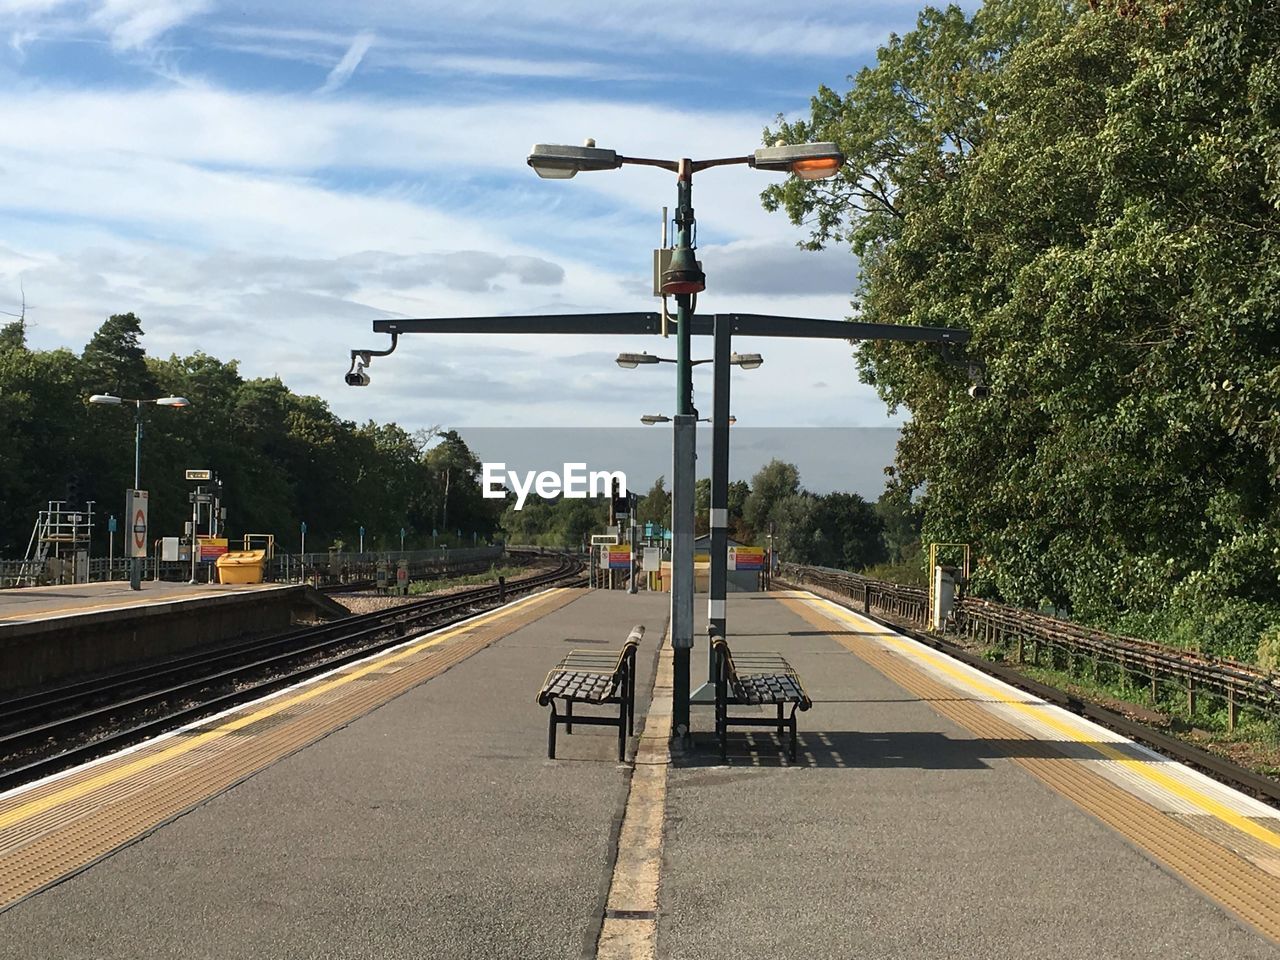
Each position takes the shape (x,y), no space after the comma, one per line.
(722,730)
(551,733)
(631,696)
(568,716)
(782,721)
(793,733)
(622,731)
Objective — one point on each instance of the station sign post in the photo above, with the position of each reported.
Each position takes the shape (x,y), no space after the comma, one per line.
(136,509)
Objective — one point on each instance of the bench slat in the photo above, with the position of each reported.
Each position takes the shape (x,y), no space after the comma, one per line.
(580,685)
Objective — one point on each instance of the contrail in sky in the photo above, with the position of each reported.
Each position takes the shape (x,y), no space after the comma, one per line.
(350,60)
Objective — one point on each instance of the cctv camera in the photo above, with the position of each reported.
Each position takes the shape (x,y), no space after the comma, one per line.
(979,391)
(358,377)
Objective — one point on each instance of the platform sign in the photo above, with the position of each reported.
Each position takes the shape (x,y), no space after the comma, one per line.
(199,474)
(652,559)
(603,539)
(135,508)
(211,548)
(617,557)
(746,558)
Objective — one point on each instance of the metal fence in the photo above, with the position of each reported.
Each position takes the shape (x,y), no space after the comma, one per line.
(341,567)
(323,569)
(1042,640)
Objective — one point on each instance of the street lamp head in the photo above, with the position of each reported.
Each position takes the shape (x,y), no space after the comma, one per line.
(555,161)
(105,398)
(747,361)
(173,402)
(649,419)
(684,275)
(808,161)
(632,360)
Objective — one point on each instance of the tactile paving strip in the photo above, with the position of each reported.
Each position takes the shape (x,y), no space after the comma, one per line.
(1238,884)
(60,827)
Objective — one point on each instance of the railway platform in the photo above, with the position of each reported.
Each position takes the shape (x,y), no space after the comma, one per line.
(404,806)
(51,634)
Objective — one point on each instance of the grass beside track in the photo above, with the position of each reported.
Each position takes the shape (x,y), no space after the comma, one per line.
(419,587)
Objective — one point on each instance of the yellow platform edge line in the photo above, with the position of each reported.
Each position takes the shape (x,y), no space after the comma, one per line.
(309,691)
(1144,769)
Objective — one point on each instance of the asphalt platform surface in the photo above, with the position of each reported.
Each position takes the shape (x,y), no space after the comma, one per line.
(433,827)
(436,827)
(898,835)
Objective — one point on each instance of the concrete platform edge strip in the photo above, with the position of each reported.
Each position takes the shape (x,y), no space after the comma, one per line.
(629,930)
(87,814)
(1233,882)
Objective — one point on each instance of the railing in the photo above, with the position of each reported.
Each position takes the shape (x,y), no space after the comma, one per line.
(339,568)
(1048,641)
(320,568)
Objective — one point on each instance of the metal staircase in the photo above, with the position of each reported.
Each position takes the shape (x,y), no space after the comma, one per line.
(60,533)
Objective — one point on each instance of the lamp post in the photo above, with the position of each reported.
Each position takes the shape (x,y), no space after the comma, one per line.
(135,567)
(721,420)
(683,278)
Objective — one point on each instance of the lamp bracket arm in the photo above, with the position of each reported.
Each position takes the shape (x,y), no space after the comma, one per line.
(365,356)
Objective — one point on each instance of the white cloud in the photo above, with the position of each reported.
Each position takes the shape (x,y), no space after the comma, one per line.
(134,24)
(273,226)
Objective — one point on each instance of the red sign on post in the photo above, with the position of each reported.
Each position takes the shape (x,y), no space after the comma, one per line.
(135,509)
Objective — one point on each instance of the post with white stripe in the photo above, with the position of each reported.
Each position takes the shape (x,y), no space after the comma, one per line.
(719,499)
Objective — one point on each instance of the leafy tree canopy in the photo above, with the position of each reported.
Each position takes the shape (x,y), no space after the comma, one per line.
(1093,191)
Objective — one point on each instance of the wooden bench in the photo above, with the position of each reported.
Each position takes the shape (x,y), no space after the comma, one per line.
(755,679)
(597,678)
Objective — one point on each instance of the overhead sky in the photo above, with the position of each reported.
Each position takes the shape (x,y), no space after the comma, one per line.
(261,181)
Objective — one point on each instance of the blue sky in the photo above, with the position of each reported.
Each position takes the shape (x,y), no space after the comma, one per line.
(260,181)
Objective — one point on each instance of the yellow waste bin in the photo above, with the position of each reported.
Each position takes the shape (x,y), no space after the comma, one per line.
(241,566)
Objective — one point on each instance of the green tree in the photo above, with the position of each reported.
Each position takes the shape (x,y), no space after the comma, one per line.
(772,483)
(1093,191)
(655,506)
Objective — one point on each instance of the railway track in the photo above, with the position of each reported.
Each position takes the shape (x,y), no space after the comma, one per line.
(49,730)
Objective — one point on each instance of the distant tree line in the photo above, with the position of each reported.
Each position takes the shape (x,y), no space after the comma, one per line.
(835,529)
(283,458)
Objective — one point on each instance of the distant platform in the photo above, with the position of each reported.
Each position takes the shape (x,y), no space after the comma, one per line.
(49,635)
(25,604)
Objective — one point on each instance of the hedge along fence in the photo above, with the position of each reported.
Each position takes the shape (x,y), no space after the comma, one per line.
(1049,641)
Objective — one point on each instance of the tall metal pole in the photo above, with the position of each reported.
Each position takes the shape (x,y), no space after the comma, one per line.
(137,445)
(135,563)
(631,539)
(719,487)
(682,494)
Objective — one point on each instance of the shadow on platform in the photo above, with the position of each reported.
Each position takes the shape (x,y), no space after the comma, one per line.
(864,750)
